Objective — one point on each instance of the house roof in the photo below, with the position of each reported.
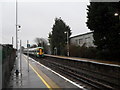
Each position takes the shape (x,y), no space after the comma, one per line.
(81,34)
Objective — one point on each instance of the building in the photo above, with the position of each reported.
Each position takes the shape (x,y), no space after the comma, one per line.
(83,39)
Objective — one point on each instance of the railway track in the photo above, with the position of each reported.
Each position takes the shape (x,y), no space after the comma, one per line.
(79,75)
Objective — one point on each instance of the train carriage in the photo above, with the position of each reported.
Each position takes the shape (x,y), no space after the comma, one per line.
(38,51)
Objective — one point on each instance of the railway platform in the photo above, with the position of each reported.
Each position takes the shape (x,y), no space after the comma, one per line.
(25,79)
(39,76)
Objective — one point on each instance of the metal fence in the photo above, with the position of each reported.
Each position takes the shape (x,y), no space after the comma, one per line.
(8,59)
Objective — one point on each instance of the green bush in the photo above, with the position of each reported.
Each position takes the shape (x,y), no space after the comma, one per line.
(83,51)
(93,53)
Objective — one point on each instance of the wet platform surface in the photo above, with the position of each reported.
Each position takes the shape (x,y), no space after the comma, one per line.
(27,79)
(39,76)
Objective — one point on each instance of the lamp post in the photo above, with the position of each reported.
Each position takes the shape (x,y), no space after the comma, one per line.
(17,29)
(117,14)
(17,71)
(55,51)
(67,42)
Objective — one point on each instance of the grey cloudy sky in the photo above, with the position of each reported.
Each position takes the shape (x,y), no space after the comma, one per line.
(37,18)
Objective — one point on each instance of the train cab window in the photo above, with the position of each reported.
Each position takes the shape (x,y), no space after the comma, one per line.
(41,50)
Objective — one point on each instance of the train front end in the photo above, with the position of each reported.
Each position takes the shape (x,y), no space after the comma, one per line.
(40,52)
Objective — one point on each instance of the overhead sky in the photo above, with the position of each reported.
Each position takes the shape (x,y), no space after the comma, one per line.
(37,18)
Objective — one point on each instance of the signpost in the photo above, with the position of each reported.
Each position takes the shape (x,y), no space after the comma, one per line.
(20,58)
(28,45)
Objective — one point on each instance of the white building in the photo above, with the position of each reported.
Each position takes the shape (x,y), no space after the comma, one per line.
(83,39)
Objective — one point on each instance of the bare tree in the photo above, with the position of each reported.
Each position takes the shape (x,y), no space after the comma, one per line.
(41,42)
(38,41)
(33,46)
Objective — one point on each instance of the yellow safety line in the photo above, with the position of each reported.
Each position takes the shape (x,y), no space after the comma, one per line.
(48,86)
(41,78)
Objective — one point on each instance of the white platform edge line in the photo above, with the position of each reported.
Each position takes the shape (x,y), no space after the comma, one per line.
(58,74)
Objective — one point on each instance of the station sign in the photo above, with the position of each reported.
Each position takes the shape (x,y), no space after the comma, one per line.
(28,45)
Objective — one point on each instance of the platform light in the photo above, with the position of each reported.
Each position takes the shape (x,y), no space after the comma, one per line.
(66,32)
(116,14)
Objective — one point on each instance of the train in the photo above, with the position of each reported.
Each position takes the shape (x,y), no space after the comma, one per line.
(38,51)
